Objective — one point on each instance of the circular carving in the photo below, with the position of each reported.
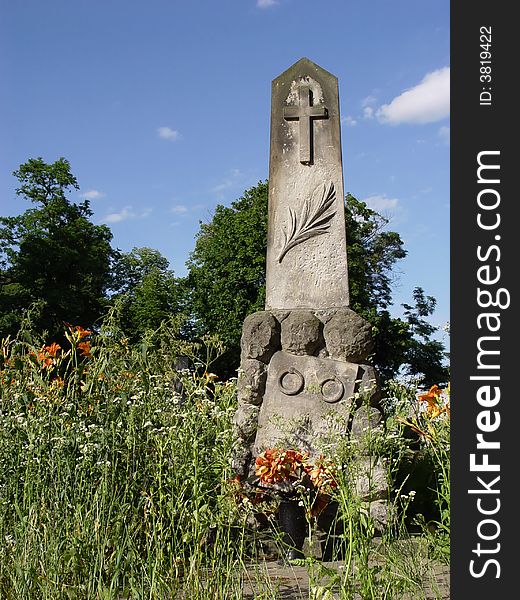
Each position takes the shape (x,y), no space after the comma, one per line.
(332,389)
(291,382)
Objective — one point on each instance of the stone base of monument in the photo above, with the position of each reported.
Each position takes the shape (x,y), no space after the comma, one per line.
(305,384)
(329,540)
(293,524)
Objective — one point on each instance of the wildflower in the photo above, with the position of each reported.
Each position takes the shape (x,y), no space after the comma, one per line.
(432,394)
(53,349)
(435,410)
(46,361)
(47,355)
(432,397)
(76,333)
(58,382)
(415,428)
(84,348)
(82,333)
(235,481)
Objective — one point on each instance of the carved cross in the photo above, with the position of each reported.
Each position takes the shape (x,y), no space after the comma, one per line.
(304,113)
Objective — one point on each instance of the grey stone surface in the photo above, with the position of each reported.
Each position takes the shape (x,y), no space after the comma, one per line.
(306,257)
(380,512)
(369,478)
(241,458)
(245,421)
(348,336)
(325,314)
(307,402)
(369,389)
(365,422)
(260,336)
(280,315)
(301,333)
(251,381)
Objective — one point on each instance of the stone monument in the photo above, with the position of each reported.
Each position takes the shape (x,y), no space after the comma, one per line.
(305,382)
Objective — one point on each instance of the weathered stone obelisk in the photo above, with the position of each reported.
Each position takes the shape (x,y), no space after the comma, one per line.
(305,382)
(306,258)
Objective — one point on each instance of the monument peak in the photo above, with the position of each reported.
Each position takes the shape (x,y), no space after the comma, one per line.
(305,64)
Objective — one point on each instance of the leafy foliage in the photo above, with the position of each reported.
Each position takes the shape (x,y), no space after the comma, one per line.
(56,262)
(147,289)
(425,355)
(226,282)
(226,279)
(52,255)
(372,255)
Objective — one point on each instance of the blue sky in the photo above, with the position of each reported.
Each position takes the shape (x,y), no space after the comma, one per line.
(162,108)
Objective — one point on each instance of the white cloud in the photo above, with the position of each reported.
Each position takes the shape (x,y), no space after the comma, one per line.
(380,203)
(349,121)
(368,112)
(368,101)
(233,179)
(92,195)
(265,3)
(224,185)
(179,209)
(427,102)
(167,133)
(125,214)
(444,134)
(122,215)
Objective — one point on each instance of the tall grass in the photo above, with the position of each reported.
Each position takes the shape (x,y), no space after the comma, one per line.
(115,477)
(112,483)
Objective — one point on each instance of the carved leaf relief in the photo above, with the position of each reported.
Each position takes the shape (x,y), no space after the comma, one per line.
(314,219)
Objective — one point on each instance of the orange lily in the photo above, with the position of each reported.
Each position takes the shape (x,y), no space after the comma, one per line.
(53,349)
(85,349)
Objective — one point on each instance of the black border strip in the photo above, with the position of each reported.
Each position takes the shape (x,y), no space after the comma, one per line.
(483,123)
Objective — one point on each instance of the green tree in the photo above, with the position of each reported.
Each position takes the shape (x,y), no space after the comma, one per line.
(147,289)
(372,255)
(52,256)
(424,355)
(226,280)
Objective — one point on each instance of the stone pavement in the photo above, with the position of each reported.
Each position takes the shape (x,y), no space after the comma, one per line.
(292,583)
(421,578)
